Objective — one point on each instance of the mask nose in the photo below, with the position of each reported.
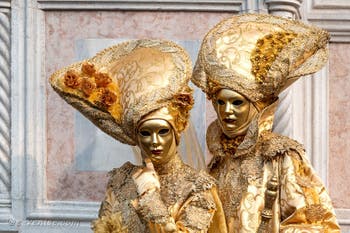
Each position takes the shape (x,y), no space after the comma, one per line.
(230,111)
(228,108)
(154,140)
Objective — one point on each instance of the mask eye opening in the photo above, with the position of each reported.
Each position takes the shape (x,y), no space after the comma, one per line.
(163,131)
(220,102)
(144,133)
(237,102)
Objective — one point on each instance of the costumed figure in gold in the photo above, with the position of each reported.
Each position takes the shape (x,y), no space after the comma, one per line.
(266,183)
(138,93)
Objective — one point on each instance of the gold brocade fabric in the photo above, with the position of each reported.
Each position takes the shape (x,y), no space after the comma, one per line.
(190,198)
(302,203)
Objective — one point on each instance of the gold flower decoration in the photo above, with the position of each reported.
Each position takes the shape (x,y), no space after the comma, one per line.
(184,99)
(110,224)
(230,145)
(315,213)
(266,51)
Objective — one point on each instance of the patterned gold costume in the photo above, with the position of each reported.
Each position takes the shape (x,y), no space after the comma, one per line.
(266,183)
(119,89)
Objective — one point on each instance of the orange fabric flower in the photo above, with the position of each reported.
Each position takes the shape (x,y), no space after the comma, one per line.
(184,99)
(102,79)
(108,98)
(71,79)
(87,86)
(88,68)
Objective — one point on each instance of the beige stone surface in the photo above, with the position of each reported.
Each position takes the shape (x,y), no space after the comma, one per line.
(63,29)
(339,124)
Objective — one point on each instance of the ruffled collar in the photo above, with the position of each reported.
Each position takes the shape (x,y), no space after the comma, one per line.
(218,143)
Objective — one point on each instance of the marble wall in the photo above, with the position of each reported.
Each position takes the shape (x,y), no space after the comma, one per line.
(339,124)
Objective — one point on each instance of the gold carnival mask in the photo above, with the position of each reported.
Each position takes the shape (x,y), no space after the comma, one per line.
(234,112)
(156,139)
(258,56)
(123,83)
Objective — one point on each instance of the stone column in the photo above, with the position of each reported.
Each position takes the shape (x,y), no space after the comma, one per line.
(284,8)
(5,75)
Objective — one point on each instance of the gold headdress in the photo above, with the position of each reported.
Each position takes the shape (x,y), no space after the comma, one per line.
(258,55)
(123,83)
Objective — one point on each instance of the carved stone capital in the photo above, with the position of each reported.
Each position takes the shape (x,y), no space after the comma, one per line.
(284,8)
(5,6)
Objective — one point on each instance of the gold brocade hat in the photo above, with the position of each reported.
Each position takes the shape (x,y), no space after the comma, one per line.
(124,83)
(258,56)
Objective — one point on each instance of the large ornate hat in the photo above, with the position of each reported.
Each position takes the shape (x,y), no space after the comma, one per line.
(123,83)
(258,55)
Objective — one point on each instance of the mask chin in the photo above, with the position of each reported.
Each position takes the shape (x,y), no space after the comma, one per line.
(242,130)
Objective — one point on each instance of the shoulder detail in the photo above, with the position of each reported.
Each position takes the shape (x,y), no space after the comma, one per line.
(214,145)
(213,139)
(203,182)
(272,145)
(118,176)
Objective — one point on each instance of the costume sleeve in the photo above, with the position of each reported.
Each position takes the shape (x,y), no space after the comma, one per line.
(107,204)
(197,213)
(152,209)
(108,220)
(116,213)
(201,212)
(304,202)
